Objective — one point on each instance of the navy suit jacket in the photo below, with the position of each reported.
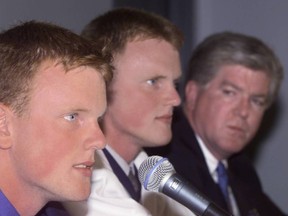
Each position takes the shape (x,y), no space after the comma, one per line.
(188,160)
(53,209)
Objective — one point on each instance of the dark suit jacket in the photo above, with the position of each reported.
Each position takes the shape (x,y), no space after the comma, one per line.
(53,209)
(188,160)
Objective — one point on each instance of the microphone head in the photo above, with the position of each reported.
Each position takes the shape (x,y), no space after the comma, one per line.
(152,172)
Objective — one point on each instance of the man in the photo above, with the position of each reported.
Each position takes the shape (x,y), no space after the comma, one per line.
(52,95)
(232,80)
(141,98)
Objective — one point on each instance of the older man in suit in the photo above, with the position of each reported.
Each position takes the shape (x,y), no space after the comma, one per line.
(232,80)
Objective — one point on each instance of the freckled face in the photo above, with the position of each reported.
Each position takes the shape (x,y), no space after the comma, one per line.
(227,112)
(143,93)
(54,142)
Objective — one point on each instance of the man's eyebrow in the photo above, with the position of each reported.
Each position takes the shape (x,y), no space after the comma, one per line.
(228,83)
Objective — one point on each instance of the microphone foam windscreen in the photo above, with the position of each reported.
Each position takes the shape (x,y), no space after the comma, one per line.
(152,171)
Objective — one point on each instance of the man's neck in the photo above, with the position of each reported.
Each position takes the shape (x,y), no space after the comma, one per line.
(125,148)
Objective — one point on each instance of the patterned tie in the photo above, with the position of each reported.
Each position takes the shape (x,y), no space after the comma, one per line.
(223,180)
(133,176)
(123,178)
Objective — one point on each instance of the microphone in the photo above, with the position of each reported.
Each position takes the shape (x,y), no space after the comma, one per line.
(157,174)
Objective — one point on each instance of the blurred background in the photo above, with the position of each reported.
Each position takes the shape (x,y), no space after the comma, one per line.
(197,19)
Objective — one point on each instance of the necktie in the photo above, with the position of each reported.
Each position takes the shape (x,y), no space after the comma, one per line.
(223,180)
(133,176)
(123,178)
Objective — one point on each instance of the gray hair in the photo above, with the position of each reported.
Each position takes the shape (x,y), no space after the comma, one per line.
(228,48)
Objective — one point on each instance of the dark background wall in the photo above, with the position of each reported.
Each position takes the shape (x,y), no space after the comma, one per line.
(265,19)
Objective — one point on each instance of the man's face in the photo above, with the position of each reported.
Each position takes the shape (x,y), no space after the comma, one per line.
(227,112)
(54,141)
(143,93)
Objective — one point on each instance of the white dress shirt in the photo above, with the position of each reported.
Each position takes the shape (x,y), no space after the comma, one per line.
(109,198)
(212,163)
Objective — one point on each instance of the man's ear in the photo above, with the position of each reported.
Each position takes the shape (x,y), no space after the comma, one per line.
(191,92)
(5,141)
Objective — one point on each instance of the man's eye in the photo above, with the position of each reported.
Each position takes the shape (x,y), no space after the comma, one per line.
(152,81)
(71,117)
(177,85)
(261,102)
(228,92)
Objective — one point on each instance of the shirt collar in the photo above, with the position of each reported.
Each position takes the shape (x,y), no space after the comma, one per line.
(121,162)
(211,161)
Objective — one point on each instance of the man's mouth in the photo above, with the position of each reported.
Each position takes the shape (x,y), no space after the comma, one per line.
(85,168)
(237,130)
(165,118)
